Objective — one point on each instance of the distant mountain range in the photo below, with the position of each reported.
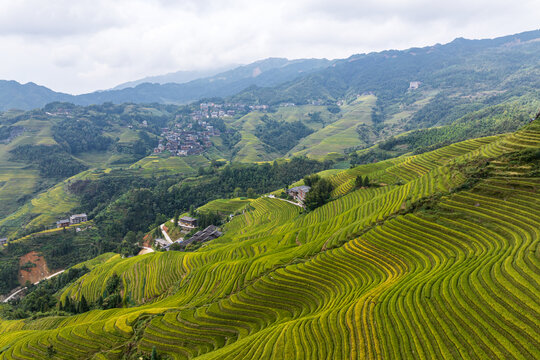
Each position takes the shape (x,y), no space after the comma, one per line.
(502,63)
(264,73)
(505,64)
(178,77)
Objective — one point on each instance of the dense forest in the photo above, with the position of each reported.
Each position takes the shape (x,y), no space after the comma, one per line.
(80,135)
(51,160)
(41,299)
(281,135)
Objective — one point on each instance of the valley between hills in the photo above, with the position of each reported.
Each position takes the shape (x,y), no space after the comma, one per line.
(384,206)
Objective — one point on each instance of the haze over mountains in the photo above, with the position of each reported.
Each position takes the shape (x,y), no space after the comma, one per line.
(178,77)
(263,73)
(280,80)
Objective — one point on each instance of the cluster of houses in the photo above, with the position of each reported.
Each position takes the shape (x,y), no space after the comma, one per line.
(209,233)
(210,110)
(60,112)
(182,140)
(188,223)
(73,219)
(214,111)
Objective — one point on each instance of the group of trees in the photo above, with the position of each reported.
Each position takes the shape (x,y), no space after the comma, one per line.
(281,135)
(320,192)
(51,160)
(9,267)
(77,136)
(361,181)
(112,297)
(42,298)
(207,218)
(130,245)
(74,307)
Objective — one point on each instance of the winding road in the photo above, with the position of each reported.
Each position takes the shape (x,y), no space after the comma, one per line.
(37,282)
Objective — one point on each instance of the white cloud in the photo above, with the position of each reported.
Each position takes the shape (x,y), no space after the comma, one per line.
(85,45)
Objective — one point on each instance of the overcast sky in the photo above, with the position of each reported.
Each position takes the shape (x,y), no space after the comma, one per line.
(78,46)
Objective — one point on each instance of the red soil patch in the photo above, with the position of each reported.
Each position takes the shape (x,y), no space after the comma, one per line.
(35,274)
(147,241)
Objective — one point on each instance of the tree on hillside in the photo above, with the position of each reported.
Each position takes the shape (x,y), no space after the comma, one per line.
(334,109)
(316,118)
(358,182)
(319,194)
(50,351)
(154,353)
(250,193)
(208,218)
(175,219)
(311,180)
(366,181)
(237,192)
(83,305)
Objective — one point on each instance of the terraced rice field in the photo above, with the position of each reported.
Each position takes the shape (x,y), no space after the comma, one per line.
(340,134)
(155,164)
(44,209)
(16,180)
(361,277)
(225,206)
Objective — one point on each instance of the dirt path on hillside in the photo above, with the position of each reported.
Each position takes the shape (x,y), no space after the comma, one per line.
(35,273)
(165,233)
(145,250)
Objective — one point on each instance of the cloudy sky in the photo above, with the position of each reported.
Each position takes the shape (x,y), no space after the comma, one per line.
(85,45)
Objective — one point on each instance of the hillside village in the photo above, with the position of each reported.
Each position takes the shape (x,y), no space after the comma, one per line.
(184,140)
(192,135)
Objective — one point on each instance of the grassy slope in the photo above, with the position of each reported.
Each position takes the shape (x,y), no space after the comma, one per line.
(225,206)
(44,209)
(301,113)
(339,135)
(455,280)
(250,148)
(16,180)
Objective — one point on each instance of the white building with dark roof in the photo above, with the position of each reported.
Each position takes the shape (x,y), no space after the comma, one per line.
(78,218)
(187,223)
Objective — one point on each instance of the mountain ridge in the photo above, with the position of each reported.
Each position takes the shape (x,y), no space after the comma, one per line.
(328,79)
(270,72)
